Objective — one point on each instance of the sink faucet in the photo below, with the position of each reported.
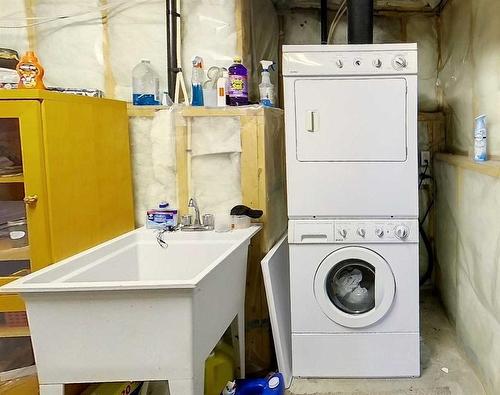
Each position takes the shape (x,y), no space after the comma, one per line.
(192,203)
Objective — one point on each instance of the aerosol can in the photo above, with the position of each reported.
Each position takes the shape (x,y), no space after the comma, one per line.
(266,88)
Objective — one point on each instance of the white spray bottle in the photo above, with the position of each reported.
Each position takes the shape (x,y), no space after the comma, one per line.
(266,88)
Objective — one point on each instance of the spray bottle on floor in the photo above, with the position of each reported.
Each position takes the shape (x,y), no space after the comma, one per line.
(266,88)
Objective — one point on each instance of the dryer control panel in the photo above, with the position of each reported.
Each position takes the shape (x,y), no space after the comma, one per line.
(353,231)
(338,60)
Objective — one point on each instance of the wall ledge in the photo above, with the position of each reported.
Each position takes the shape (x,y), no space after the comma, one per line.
(490,167)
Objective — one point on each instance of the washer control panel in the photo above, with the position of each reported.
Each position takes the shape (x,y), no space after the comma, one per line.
(375,231)
(353,231)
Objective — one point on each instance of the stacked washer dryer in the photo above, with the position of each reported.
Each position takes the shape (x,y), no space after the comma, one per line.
(352,179)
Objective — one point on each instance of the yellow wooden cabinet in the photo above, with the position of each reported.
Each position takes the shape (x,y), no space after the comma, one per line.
(65,167)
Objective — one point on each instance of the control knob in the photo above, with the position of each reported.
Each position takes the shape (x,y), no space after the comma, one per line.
(401,232)
(377,63)
(379,232)
(339,63)
(343,233)
(399,62)
(361,232)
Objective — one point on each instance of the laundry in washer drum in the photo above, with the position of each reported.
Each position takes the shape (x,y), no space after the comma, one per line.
(351,293)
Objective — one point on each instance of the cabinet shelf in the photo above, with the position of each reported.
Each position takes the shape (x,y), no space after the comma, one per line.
(15,254)
(14,331)
(11,179)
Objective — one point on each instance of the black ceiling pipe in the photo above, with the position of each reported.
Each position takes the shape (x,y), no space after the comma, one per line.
(360,21)
(324,21)
(172,66)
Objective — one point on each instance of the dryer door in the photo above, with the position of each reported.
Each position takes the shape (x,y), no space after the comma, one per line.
(351,120)
(354,287)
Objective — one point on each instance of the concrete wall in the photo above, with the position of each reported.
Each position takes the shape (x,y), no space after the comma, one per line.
(468,200)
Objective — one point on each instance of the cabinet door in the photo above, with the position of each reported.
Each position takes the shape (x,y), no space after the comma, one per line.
(24,243)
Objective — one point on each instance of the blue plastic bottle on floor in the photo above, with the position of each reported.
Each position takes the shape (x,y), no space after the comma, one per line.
(271,385)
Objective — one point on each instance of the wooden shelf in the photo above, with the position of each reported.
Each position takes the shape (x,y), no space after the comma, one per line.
(490,167)
(13,331)
(143,111)
(15,254)
(190,111)
(11,179)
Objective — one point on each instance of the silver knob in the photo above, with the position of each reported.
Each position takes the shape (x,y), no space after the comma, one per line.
(343,233)
(377,63)
(379,232)
(362,232)
(399,62)
(402,232)
(339,63)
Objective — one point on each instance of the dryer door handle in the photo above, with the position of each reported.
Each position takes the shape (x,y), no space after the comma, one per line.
(312,121)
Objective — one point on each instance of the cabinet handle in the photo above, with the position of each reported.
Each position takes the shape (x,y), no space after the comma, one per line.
(30,200)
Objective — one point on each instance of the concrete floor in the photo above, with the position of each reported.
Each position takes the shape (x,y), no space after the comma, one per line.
(439,349)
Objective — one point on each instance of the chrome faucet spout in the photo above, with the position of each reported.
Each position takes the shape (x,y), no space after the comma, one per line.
(192,203)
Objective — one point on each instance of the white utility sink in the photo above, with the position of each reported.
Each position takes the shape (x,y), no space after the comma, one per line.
(129,309)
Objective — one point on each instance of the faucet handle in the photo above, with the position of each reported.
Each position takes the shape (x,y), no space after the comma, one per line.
(208,220)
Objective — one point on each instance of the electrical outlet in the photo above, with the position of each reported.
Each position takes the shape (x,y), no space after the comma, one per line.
(425,158)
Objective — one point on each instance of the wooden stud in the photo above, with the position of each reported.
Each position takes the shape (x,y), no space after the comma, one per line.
(249,161)
(181,163)
(109,78)
(29,6)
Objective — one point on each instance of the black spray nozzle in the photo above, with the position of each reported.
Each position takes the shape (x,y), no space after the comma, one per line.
(245,210)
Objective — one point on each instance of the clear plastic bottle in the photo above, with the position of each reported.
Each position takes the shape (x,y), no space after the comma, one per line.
(238,83)
(145,85)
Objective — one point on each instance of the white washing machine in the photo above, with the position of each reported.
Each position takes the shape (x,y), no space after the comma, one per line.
(351,130)
(350,307)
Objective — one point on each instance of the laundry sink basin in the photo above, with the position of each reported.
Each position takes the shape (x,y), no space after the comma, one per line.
(131,309)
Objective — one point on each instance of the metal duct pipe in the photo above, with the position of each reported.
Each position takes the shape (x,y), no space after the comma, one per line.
(172,66)
(324,21)
(360,21)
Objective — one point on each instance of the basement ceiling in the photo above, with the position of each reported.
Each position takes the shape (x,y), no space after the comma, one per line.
(398,5)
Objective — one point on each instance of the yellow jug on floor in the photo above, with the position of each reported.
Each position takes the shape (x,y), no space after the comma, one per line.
(219,369)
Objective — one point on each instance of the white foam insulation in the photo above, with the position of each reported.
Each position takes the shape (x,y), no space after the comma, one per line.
(209,31)
(137,31)
(152,144)
(71,49)
(468,230)
(11,17)
(215,170)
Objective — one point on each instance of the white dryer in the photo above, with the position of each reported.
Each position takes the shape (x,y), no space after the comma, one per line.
(351,130)
(353,307)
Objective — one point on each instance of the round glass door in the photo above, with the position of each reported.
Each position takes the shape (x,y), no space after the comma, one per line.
(354,286)
(350,285)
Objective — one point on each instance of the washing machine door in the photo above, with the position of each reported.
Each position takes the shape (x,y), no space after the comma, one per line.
(354,287)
